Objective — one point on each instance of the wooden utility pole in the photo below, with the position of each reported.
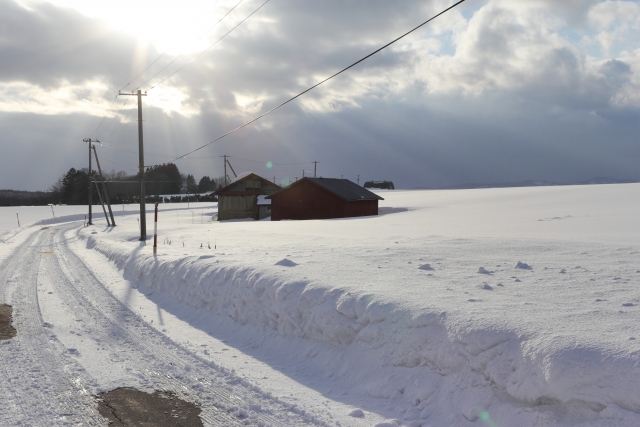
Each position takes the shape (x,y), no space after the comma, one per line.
(225,170)
(104,188)
(101,202)
(227,162)
(143,216)
(89,140)
(315,165)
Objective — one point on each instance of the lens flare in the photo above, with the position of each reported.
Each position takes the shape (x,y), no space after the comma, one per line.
(485,418)
(269,165)
(285,182)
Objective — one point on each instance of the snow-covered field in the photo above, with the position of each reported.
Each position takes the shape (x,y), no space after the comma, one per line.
(417,317)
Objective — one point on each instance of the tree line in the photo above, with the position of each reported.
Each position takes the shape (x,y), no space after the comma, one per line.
(72,188)
(24,198)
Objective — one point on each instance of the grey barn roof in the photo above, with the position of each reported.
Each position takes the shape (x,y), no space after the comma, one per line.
(343,188)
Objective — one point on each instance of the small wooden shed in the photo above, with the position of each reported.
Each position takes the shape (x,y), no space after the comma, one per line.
(323,198)
(239,200)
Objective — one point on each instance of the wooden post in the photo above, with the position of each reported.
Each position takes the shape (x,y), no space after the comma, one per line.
(155,232)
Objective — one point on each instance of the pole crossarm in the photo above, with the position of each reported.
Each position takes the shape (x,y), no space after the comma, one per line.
(131,94)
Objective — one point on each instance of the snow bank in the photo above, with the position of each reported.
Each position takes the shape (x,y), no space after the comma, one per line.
(505,347)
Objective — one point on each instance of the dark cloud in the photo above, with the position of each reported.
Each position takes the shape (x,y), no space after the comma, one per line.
(47,45)
(512,100)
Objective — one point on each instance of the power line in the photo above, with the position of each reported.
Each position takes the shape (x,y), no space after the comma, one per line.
(214,25)
(142,72)
(179,56)
(127,167)
(119,124)
(214,43)
(149,66)
(114,118)
(135,152)
(321,82)
(105,116)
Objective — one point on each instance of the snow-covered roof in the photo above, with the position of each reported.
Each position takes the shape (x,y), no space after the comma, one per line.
(343,188)
(239,177)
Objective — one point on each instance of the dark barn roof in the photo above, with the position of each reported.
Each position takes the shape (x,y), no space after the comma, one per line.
(343,188)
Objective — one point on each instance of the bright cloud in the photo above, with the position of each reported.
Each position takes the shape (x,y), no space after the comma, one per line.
(67,98)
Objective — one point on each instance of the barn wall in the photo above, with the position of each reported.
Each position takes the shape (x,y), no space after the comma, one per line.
(237,207)
(360,208)
(308,201)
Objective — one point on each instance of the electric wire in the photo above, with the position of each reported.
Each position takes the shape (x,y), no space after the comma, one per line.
(212,45)
(321,82)
(113,119)
(162,54)
(135,152)
(128,168)
(142,72)
(104,117)
(119,124)
(214,25)
(175,72)
(179,56)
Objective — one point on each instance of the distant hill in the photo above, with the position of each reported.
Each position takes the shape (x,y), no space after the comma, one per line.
(532,183)
(25,198)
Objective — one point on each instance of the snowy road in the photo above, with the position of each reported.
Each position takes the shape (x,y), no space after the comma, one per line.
(74,335)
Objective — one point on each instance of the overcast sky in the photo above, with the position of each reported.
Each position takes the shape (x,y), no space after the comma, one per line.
(493,91)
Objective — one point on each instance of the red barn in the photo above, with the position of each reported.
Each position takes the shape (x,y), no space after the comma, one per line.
(323,198)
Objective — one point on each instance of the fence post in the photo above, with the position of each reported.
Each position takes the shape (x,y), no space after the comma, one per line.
(155,232)
(17,216)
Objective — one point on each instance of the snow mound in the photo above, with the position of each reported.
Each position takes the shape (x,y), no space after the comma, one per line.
(527,368)
(286,262)
(494,351)
(357,413)
(523,266)
(485,286)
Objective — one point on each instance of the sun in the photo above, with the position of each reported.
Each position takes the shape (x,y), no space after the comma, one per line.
(173,27)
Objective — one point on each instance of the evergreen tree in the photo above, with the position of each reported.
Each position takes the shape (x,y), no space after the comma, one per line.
(205,185)
(163,179)
(192,187)
(74,187)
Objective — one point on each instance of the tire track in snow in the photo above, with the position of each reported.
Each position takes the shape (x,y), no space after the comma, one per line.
(192,378)
(44,384)
(14,408)
(114,326)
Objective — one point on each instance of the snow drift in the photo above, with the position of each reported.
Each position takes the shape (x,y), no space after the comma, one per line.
(483,354)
